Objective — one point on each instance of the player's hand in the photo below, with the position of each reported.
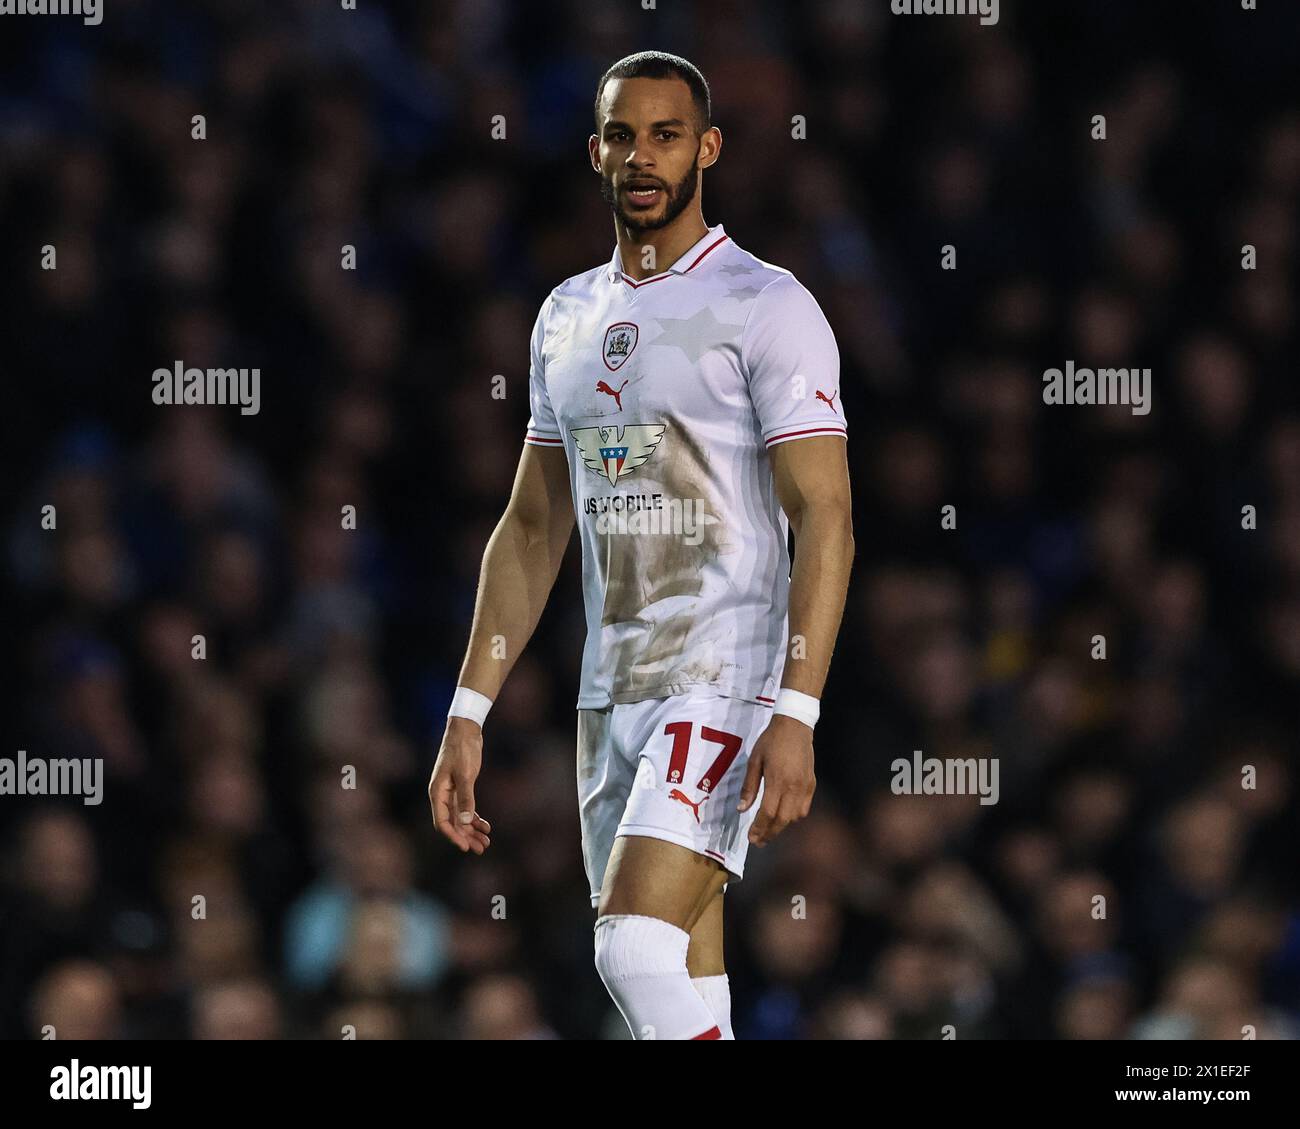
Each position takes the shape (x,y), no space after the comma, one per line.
(783,760)
(451,787)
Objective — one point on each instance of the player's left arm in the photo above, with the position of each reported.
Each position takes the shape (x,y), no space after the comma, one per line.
(812,484)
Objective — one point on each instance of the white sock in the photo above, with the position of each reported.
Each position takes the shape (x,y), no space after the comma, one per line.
(642,962)
(716,992)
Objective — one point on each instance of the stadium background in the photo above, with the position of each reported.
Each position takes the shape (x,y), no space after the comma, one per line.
(327,647)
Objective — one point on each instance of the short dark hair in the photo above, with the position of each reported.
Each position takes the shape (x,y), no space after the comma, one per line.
(660,64)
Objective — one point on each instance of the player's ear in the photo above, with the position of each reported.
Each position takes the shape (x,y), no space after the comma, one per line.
(593,150)
(710,146)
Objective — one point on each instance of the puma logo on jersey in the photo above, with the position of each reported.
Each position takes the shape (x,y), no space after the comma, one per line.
(620,340)
(614,452)
(829,403)
(601,386)
(694,805)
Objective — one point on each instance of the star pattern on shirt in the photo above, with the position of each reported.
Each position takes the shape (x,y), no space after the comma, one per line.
(695,335)
(743,293)
(734,270)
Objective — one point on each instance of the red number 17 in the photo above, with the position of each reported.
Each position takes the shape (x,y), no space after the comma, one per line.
(680,732)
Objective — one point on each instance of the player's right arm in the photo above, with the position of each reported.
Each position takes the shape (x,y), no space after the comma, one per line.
(519,568)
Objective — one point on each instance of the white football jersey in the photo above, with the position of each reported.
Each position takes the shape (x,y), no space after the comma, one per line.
(665,395)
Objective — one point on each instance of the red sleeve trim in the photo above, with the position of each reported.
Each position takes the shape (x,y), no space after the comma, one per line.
(808,431)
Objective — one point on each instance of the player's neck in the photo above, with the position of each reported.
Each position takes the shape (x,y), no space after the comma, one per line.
(670,244)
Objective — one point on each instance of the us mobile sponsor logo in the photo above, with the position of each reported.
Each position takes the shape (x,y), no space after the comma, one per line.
(37,776)
(90,11)
(102,1083)
(181,385)
(650,514)
(930,776)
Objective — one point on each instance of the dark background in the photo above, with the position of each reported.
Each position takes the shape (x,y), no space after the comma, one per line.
(328,647)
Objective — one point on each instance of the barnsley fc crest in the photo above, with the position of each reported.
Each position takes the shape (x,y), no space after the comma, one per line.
(614,452)
(620,340)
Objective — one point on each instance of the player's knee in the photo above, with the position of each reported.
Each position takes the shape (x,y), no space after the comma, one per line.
(632,946)
(642,962)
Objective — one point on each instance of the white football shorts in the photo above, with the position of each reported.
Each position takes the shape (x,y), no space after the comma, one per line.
(667,768)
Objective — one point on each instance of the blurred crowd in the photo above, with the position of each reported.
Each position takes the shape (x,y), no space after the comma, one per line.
(263,864)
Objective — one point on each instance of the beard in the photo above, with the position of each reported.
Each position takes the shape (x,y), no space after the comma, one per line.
(676,198)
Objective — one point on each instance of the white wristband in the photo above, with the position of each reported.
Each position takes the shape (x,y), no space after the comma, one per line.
(471,704)
(801,707)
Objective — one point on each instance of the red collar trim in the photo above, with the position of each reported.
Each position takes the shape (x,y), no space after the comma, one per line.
(669,273)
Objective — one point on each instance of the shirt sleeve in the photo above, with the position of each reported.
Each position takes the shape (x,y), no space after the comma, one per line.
(543,431)
(793,365)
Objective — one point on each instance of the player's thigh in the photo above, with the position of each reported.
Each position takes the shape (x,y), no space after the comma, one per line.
(604,783)
(704,957)
(656,878)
